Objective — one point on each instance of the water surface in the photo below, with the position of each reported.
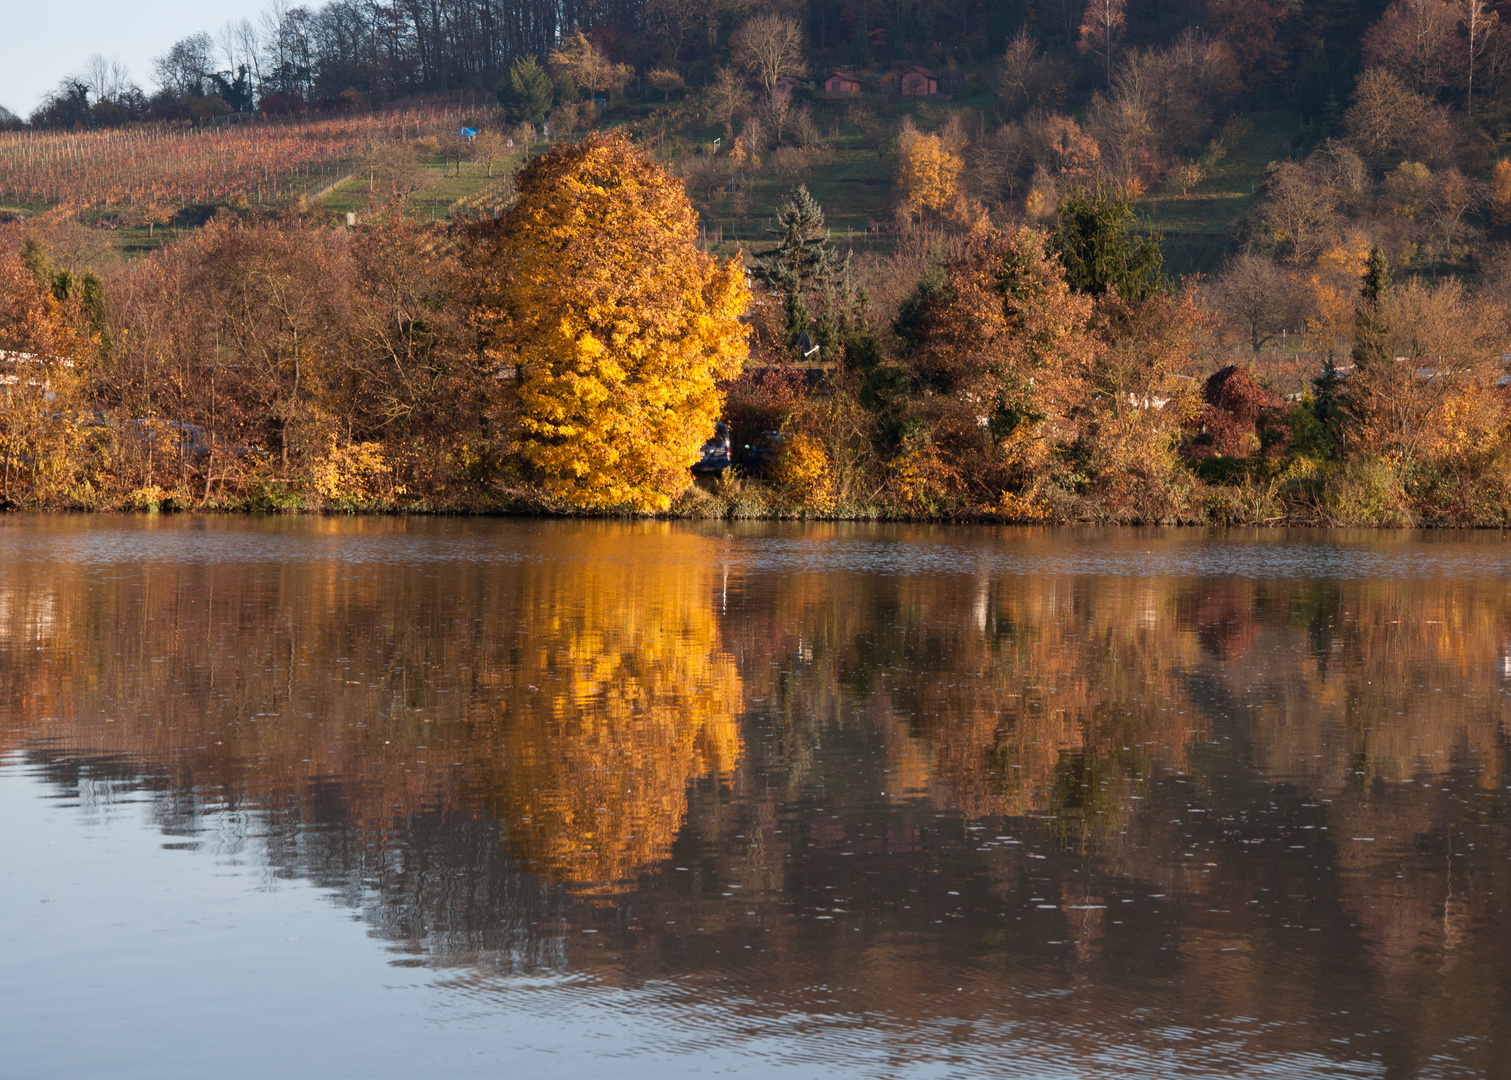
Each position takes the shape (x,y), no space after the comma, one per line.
(410,797)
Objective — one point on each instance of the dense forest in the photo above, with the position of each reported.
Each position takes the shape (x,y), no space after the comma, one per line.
(1306,53)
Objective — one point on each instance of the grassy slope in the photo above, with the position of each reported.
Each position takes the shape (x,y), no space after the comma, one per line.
(1198,227)
(854,186)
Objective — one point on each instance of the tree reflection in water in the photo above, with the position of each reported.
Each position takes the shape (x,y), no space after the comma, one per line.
(1196,796)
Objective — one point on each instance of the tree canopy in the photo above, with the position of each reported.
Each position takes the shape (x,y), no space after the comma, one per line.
(616,326)
(1095,239)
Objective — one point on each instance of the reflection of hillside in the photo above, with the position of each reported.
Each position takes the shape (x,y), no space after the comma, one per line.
(1010,696)
(1349,683)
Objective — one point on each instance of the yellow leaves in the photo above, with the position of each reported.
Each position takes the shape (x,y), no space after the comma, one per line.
(922,479)
(630,699)
(617,324)
(350,473)
(1334,285)
(929,175)
(803,468)
(1019,506)
(587,66)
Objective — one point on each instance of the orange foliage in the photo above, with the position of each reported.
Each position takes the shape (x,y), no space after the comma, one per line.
(593,290)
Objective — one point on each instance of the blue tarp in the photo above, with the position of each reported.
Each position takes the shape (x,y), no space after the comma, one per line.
(466,133)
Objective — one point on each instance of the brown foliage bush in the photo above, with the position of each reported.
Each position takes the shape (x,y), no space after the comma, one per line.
(1235,405)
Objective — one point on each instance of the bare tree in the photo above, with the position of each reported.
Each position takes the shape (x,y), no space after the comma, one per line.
(186,67)
(1384,113)
(395,170)
(1102,28)
(1022,69)
(726,98)
(239,45)
(769,46)
(1417,41)
(1298,212)
(1479,23)
(107,79)
(1258,298)
(487,147)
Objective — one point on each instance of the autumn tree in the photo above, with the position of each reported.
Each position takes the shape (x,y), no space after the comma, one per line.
(928,174)
(1500,193)
(1423,358)
(589,66)
(43,358)
(1102,28)
(769,46)
(592,293)
(1004,344)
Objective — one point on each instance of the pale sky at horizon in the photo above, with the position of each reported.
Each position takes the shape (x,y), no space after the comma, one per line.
(43,43)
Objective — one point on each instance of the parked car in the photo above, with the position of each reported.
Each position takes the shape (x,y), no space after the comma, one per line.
(756,458)
(716,453)
(173,436)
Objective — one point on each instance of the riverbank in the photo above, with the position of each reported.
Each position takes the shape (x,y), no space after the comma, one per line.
(1270,494)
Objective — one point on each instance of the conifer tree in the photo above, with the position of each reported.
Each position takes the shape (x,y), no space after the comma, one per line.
(526,95)
(1371,323)
(803,257)
(1095,240)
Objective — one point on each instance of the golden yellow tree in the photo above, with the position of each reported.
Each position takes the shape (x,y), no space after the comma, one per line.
(593,290)
(928,174)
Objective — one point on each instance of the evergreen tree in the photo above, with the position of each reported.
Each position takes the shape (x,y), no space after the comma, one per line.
(803,251)
(1095,240)
(803,257)
(526,95)
(34,257)
(1371,325)
(843,328)
(1374,388)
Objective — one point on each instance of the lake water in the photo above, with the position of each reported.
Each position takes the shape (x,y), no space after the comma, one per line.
(493,798)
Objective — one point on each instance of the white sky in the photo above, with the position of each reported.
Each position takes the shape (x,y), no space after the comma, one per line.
(43,40)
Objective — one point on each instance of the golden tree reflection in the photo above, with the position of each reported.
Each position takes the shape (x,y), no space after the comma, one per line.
(621,696)
(575,696)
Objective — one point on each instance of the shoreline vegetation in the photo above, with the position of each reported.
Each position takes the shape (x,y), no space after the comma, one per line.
(569,354)
(1232,264)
